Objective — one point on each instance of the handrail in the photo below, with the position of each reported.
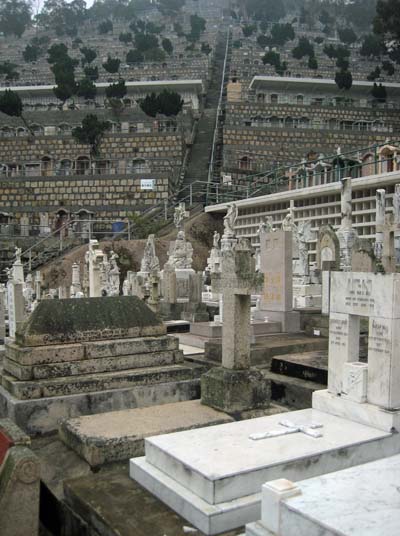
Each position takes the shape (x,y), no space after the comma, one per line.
(219,108)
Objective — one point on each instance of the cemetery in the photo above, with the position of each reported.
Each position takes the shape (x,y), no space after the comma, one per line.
(199,268)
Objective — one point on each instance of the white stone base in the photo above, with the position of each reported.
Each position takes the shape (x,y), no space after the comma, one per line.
(367,414)
(213,476)
(359,501)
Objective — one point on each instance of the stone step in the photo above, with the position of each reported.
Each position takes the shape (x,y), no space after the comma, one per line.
(310,366)
(119,435)
(25,390)
(92,366)
(268,346)
(118,506)
(42,355)
(291,392)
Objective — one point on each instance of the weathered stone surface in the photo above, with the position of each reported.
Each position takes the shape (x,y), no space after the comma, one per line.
(119,435)
(43,415)
(88,319)
(44,354)
(92,366)
(19,493)
(86,383)
(235,390)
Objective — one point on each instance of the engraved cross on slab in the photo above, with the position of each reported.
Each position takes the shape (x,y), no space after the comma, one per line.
(311,430)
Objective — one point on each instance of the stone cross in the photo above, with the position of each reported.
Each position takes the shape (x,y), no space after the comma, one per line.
(289,427)
(237,281)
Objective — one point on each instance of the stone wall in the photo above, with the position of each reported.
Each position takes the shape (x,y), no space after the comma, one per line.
(141,145)
(108,196)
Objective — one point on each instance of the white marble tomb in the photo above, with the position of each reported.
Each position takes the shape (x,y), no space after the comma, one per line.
(360,501)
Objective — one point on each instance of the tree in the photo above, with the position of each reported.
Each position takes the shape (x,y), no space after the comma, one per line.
(134,56)
(125,37)
(30,53)
(387,20)
(11,104)
(373,75)
(117,90)
(312,63)
(272,58)
(15,17)
(344,79)
(105,27)
(91,133)
(145,42)
(198,25)
(167,103)
(150,105)
(178,29)
(281,33)
(57,53)
(263,40)
(112,65)
(86,88)
(372,46)
(91,72)
(248,30)
(89,55)
(63,17)
(304,48)
(9,69)
(388,67)
(342,63)
(379,92)
(167,46)
(267,10)
(347,35)
(170,103)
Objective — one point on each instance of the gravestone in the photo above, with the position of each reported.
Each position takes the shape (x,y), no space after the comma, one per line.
(235,386)
(94,258)
(328,249)
(217,486)
(75,357)
(276,267)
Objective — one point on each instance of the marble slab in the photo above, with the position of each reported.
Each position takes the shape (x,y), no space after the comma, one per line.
(227,466)
(360,501)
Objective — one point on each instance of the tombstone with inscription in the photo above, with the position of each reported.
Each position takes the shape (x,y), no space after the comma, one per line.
(217,485)
(328,249)
(277,268)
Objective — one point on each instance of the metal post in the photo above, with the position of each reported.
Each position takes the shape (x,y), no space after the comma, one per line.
(30,260)
(165,209)
(216,193)
(190,194)
(129,230)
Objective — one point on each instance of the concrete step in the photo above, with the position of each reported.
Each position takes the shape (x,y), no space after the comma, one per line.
(291,392)
(92,366)
(118,506)
(26,390)
(119,435)
(268,346)
(309,366)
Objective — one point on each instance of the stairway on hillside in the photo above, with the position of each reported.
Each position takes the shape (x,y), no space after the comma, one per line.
(200,154)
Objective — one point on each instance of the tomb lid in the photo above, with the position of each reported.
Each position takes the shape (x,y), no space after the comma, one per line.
(89,319)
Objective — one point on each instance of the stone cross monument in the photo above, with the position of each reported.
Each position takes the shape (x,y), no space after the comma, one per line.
(235,386)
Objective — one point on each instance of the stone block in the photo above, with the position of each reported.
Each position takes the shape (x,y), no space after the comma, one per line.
(272,494)
(355,380)
(235,390)
(19,493)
